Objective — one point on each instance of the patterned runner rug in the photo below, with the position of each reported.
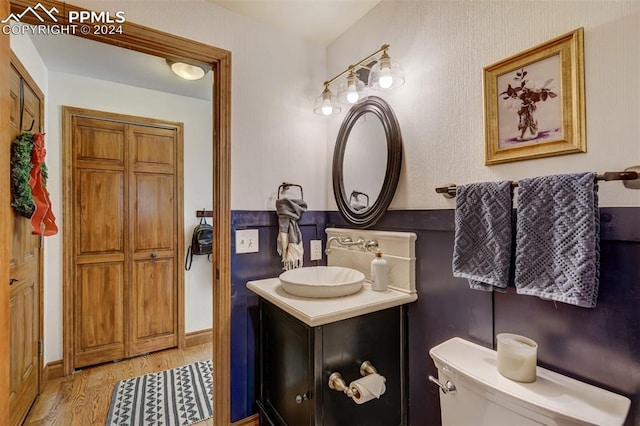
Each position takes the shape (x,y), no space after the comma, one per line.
(181,396)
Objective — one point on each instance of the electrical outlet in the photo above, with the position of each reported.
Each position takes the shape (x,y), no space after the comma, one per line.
(316,249)
(247,241)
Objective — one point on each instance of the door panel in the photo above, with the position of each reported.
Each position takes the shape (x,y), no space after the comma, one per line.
(99,324)
(154,324)
(99,140)
(24,321)
(99,333)
(16,236)
(14,91)
(154,147)
(31,111)
(154,212)
(25,263)
(100,201)
(153,239)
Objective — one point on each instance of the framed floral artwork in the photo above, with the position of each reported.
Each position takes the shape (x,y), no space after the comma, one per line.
(534,102)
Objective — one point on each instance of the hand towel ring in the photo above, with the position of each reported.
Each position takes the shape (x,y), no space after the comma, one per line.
(355,196)
(285,185)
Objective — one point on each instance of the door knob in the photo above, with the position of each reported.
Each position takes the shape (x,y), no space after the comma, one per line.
(12,280)
(154,255)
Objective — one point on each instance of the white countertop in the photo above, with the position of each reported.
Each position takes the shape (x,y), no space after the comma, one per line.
(317,311)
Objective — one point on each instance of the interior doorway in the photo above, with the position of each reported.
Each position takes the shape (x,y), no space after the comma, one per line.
(147,40)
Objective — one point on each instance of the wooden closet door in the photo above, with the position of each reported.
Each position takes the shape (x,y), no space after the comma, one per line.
(127,227)
(153,231)
(100,203)
(24,314)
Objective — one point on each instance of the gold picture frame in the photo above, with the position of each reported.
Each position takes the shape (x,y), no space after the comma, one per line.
(534,102)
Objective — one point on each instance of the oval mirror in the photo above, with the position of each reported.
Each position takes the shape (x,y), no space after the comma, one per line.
(366,162)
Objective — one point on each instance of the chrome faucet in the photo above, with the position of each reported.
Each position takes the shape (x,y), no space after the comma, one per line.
(370,245)
(329,241)
(363,245)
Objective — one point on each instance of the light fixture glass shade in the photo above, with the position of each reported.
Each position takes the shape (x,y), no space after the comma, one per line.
(187,71)
(352,90)
(386,74)
(326,103)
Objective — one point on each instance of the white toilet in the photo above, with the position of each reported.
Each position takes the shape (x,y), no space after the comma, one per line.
(473,393)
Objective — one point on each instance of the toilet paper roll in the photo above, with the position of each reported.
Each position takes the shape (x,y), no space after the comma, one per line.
(368,387)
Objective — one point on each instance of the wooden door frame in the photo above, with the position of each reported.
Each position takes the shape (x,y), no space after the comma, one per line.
(158,43)
(5,226)
(69,211)
(24,74)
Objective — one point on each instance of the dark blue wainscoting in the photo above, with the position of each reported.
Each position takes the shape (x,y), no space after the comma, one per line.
(445,307)
(244,304)
(599,346)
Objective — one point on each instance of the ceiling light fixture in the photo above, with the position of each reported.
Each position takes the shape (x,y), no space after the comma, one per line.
(385,74)
(187,71)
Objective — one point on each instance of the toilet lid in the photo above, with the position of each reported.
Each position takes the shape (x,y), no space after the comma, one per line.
(553,393)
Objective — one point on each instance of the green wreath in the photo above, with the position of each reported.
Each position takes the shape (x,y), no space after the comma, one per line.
(21,198)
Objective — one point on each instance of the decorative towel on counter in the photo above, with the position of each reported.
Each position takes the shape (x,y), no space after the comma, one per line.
(289,235)
(557,241)
(482,243)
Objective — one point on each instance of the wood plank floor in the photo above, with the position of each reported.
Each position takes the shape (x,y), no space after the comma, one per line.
(83,399)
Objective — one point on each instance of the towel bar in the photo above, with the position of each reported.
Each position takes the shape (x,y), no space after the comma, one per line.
(630,174)
(286,185)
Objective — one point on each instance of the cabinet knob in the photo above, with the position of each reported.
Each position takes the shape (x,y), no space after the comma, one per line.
(154,255)
(302,398)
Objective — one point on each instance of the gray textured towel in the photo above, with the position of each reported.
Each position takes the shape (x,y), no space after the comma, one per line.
(557,242)
(289,242)
(482,244)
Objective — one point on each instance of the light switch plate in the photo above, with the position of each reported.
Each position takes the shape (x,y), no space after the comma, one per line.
(247,241)
(315,249)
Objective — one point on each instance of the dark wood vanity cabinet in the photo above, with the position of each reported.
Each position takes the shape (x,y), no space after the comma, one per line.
(296,361)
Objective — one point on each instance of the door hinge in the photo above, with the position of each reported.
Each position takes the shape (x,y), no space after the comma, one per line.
(40,348)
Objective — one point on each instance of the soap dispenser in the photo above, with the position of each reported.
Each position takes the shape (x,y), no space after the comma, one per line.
(379,273)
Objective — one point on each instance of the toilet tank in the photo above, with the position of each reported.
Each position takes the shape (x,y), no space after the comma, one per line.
(484,397)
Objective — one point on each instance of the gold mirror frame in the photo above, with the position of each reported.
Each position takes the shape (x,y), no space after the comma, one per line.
(158,43)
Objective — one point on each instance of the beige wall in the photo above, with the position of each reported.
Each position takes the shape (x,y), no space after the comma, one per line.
(275,79)
(443,46)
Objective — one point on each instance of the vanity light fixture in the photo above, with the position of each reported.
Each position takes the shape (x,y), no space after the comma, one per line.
(352,90)
(385,74)
(187,71)
(326,103)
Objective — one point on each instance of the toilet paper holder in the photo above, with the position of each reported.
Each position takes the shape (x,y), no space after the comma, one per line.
(336,382)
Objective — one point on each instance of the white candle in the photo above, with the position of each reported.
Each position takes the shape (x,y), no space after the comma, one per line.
(517,357)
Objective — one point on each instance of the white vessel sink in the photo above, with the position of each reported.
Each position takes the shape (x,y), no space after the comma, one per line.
(322,281)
